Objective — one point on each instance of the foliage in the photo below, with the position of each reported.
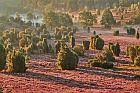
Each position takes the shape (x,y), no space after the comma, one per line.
(79,50)
(116,33)
(54,19)
(137,35)
(97,63)
(43,46)
(137,61)
(87,18)
(106,55)
(86,45)
(132,53)
(135,19)
(58,46)
(2,57)
(67,59)
(107,18)
(16,62)
(131,31)
(97,42)
(115,48)
(72,41)
(22,43)
(30,16)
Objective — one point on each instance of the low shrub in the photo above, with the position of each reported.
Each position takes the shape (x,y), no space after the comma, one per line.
(115,48)
(96,43)
(102,64)
(116,33)
(67,59)
(106,55)
(79,50)
(72,41)
(137,35)
(16,62)
(86,45)
(137,61)
(131,31)
(2,57)
(132,53)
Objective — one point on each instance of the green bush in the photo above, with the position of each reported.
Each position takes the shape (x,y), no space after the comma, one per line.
(79,50)
(16,62)
(57,46)
(137,35)
(115,48)
(45,45)
(96,42)
(103,64)
(65,38)
(106,55)
(127,51)
(131,31)
(137,61)
(132,53)
(92,42)
(67,59)
(72,41)
(2,57)
(107,65)
(86,45)
(116,33)
(47,36)
(94,63)
(22,43)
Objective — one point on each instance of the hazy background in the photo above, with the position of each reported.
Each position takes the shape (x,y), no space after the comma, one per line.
(11,6)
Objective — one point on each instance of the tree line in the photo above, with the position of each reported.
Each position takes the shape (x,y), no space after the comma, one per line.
(75,5)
